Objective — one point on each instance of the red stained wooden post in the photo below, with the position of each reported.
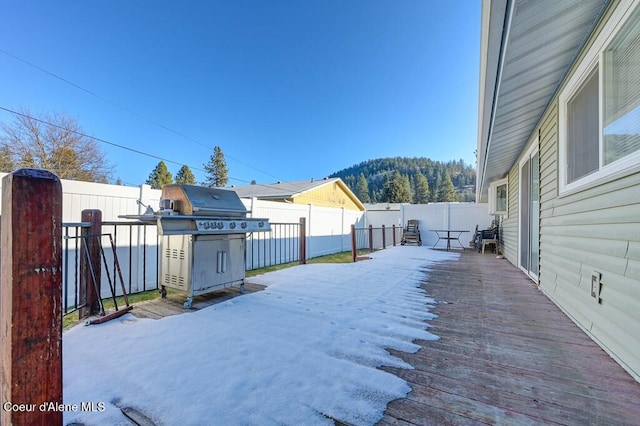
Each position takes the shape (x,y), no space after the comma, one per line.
(87,292)
(384,238)
(371,238)
(393,234)
(31,289)
(303,240)
(354,249)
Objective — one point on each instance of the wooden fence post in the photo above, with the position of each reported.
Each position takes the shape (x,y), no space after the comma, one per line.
(303,240)
(30,306)
(384,238)
(393,234)
(371,238)
(354,249)
(89,291)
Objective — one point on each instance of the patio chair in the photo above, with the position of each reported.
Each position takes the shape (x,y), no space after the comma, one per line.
(411,234)
(488,237)
(474,240)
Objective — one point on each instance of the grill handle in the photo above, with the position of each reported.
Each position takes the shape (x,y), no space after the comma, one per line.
(221,266)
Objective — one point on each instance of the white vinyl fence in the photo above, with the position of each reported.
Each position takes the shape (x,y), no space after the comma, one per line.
(327,229)
(434,216)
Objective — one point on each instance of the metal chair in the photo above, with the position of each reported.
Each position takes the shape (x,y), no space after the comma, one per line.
(474,240)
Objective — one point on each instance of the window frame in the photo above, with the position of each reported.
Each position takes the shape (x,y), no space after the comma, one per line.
(594,58)
(493,197)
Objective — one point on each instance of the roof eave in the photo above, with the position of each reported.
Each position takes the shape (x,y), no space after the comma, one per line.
(491,48)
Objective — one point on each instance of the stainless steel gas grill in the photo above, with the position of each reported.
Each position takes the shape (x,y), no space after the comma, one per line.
(202,239)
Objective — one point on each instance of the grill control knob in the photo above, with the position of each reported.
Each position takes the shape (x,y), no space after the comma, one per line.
(261,224)
(220,225)
(232,225)
(243,225)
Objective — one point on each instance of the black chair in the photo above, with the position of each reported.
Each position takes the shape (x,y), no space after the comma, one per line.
(487,237)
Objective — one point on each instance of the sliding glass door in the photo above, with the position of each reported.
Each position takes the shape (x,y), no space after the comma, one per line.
(530,213)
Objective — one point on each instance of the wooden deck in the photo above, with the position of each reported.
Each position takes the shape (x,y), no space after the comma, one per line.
(173,304)
(507,355)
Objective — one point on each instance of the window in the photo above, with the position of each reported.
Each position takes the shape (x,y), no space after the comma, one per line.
(498,197)
(600,106)
(582,130)
(621,67)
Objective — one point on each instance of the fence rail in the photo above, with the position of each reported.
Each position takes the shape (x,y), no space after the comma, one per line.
(370,239)
(136,253)
(280,245)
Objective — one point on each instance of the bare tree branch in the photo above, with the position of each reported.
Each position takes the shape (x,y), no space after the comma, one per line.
(60,148)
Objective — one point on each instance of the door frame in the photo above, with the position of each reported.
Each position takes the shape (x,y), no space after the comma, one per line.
(526,158)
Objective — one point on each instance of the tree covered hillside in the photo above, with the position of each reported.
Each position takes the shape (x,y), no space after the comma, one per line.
(410,180)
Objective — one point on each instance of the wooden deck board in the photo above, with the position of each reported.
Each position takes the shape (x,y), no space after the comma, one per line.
(173,304)
(507,355)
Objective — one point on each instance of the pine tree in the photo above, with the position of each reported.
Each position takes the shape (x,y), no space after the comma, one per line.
(216,168)
(362,189)
(435,189)
(28,161)
(421,195)
(397,190)
(446,191)
(185,176)
(6,160)
(160,176)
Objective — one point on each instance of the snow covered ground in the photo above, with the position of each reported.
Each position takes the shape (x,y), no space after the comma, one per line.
(303,351)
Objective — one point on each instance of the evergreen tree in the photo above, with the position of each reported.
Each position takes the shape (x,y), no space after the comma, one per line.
(6,161)
(446,191)
(350,181)
(396,189)
(362,189)
(461,175)
(421,194)
(216,168)
(435,189)
(28,161)
(185,176)
(160,176)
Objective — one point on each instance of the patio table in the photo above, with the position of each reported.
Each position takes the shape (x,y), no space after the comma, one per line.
(451,234)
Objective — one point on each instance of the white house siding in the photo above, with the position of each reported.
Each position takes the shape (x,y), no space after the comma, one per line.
(596,229)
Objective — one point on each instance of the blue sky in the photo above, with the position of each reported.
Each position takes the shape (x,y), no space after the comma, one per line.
(290,90)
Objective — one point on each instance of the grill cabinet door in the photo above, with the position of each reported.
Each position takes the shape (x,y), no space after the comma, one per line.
(175,264)
(218,261)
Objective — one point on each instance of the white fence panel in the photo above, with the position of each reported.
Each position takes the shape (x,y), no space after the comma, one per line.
(442,216)
(113,201)
(377,217)
(328,229)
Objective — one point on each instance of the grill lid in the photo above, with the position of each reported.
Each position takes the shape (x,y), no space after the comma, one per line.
(203,201)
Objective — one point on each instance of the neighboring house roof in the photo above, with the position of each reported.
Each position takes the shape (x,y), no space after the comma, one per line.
(292,190)
(527,48)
